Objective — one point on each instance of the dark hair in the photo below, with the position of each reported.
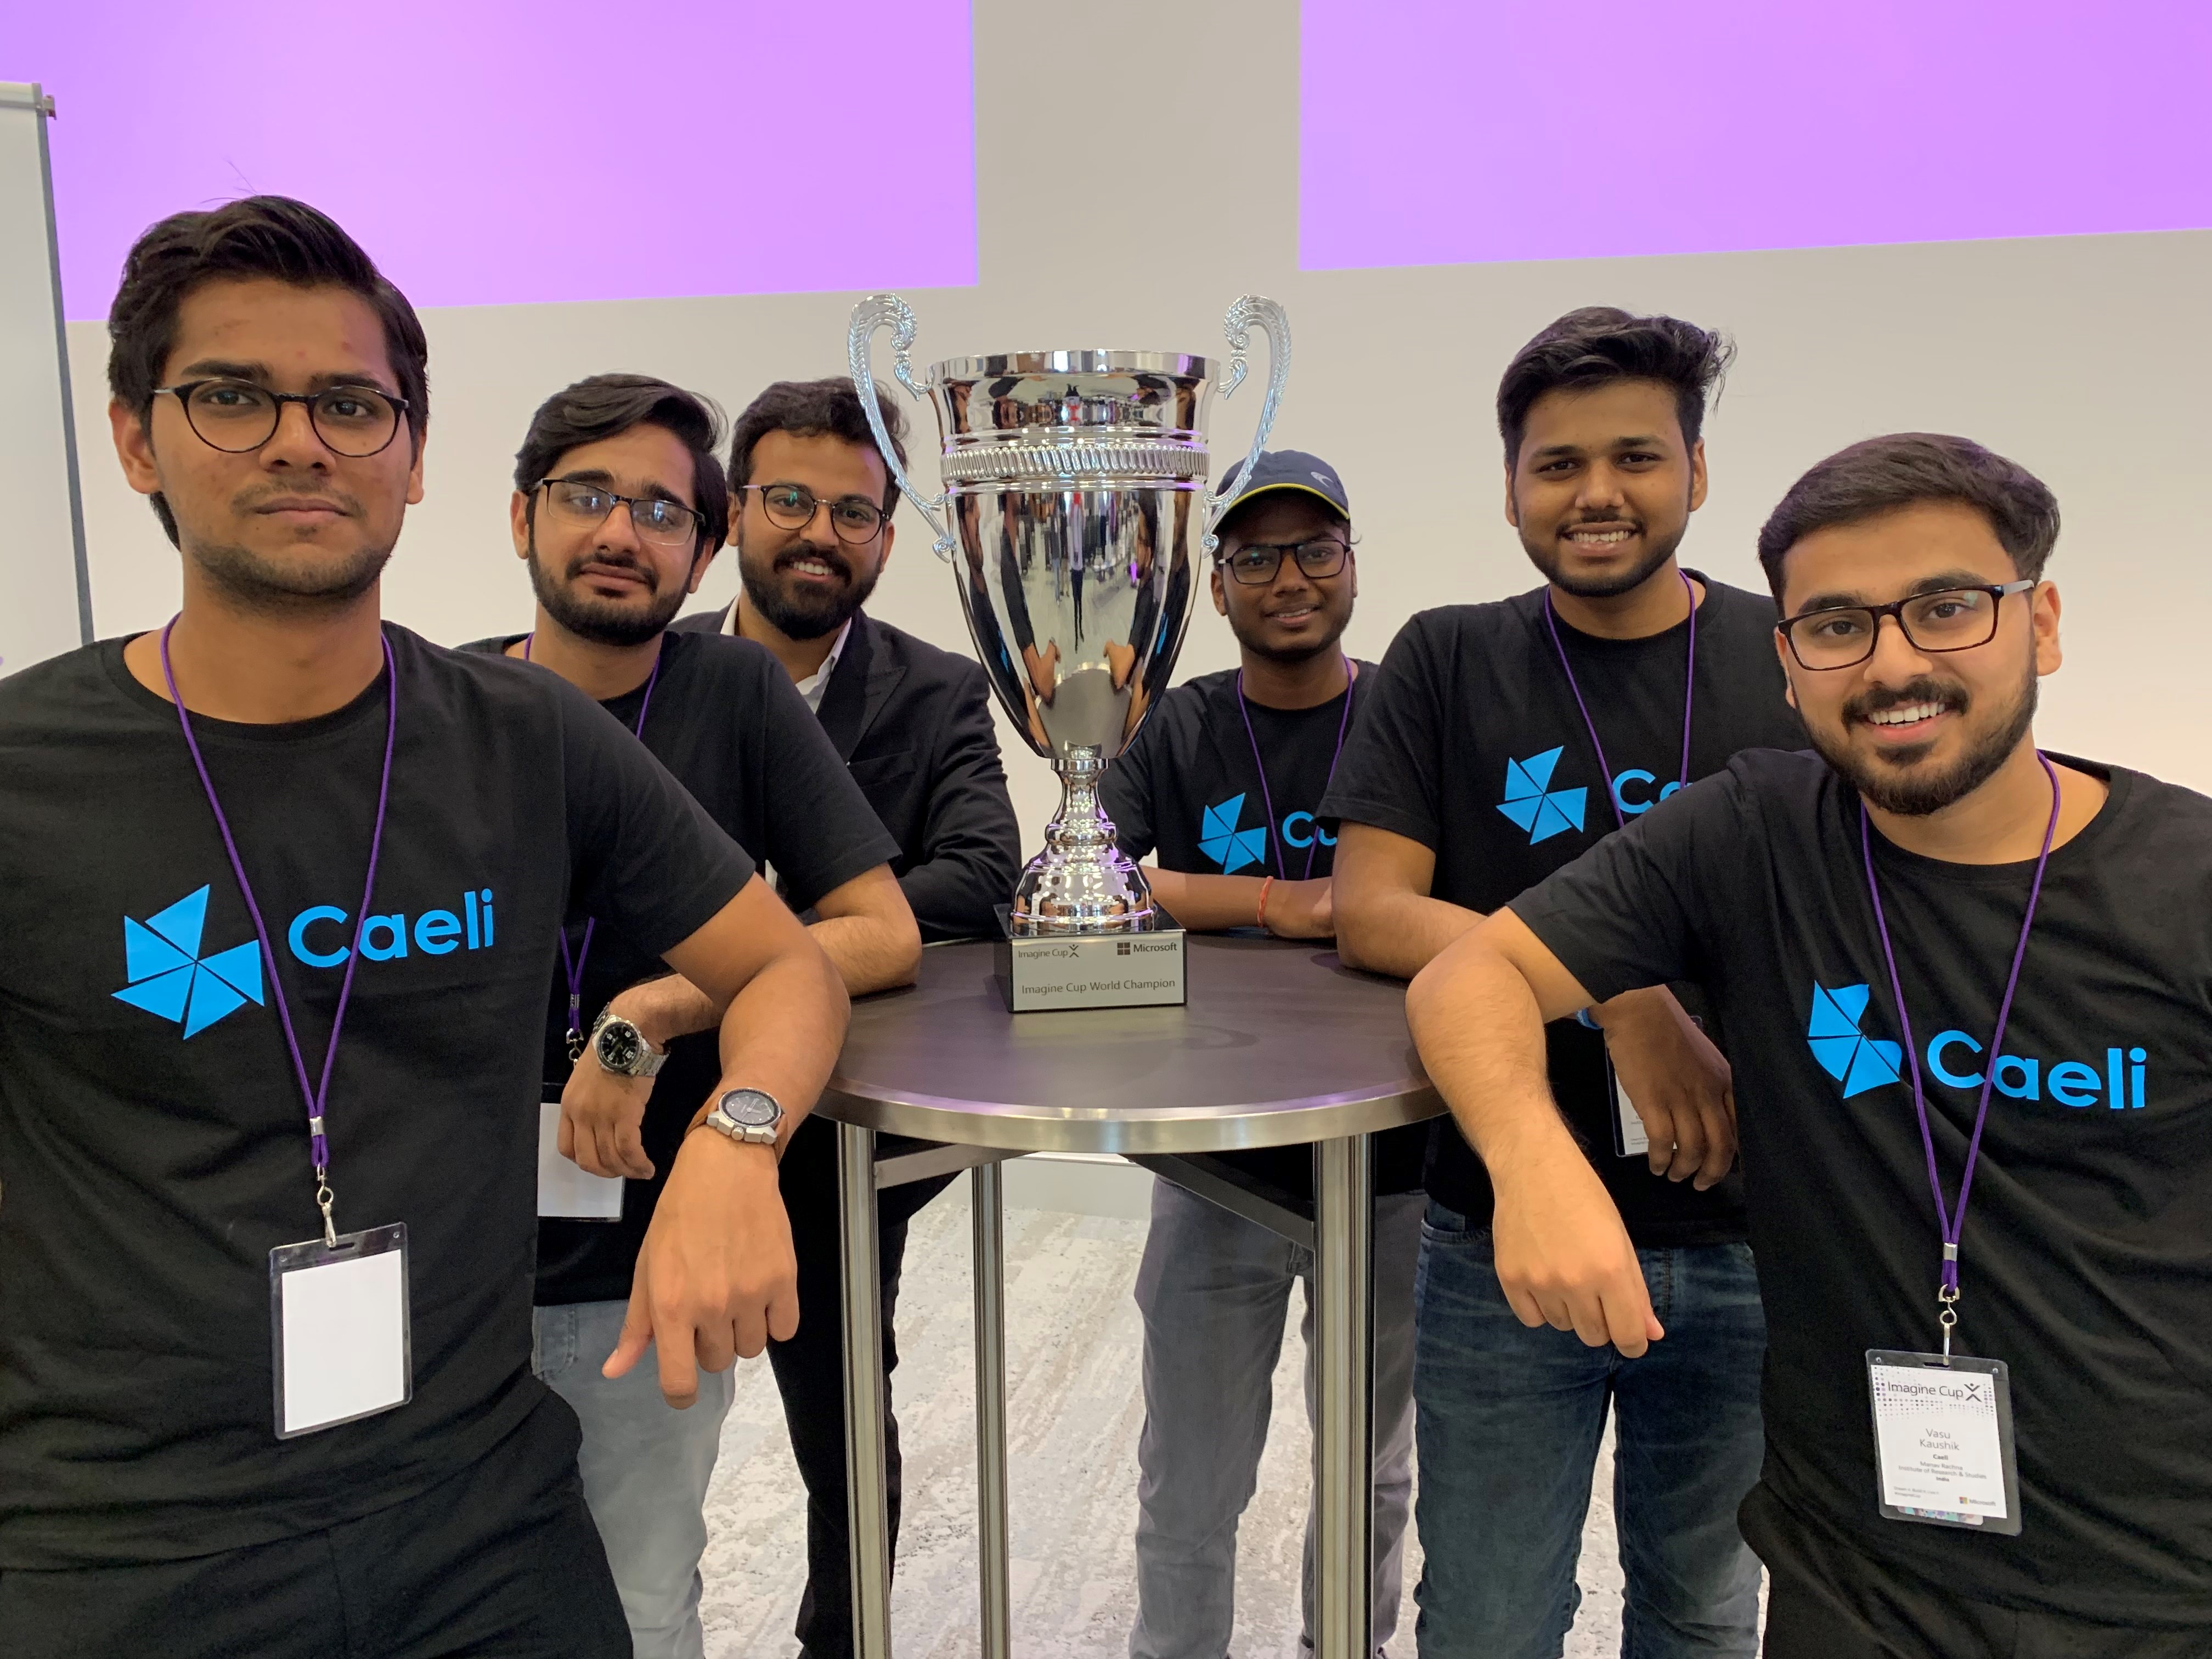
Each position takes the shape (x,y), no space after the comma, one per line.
(1881,475)
(1601,345)
(270,236)
(608,406)
(809,408)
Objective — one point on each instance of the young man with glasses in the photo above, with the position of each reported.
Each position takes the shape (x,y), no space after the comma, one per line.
(1222,787)
(620,506)
(281,890)
(811,505)
(1966,988)
(1504,739)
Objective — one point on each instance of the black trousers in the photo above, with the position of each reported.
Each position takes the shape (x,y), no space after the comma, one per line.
(1825,1601)
(810,1373)
(501,1560)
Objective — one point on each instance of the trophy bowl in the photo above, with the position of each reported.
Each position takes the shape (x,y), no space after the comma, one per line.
(1072,482)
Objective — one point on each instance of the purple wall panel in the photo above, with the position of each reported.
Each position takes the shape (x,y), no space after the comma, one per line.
(500,151)
(1443,132)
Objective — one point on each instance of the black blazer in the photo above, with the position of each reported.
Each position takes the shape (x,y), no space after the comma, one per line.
(914,725)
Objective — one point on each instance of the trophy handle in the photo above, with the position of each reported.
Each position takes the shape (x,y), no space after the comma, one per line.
(889,311)
(1250,310)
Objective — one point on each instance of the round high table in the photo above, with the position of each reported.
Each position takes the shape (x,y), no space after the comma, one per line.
(1278,1043)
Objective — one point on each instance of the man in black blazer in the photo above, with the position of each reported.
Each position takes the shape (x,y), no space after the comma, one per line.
(810,518)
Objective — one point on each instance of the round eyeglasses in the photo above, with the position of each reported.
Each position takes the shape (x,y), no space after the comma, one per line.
(236,416)
(1949,619)
(1257,563)
(585,506)
(793,507)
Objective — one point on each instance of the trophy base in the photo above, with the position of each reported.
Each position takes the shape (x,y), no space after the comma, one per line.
(1092,970)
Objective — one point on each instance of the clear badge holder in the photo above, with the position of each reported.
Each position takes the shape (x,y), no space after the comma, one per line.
(338,1320)
(1942,1440)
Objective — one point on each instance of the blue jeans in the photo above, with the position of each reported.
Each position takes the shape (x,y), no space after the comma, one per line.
(1508,1422)
(644,1466)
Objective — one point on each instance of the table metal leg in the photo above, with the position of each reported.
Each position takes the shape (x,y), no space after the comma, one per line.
(1344,1227)
(993,1541)
(868,1485)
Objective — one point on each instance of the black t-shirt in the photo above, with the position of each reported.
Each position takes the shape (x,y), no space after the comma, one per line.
(730,726)
(1189,791)
(2085,1262)
(1475,749)
(153,1151)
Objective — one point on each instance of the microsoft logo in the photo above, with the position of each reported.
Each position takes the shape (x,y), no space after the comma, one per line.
(1220,839)
(162,955)
(1857,1061)
(1532,802)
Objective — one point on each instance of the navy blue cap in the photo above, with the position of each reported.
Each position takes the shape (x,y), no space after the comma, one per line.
(1289,469)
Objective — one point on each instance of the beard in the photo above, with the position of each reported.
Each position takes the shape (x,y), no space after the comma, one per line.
(320,579)
(602,622)
(1545,556)
(798,613)
(1891,781)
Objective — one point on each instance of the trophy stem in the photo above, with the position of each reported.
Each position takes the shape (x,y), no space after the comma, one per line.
(1082,882)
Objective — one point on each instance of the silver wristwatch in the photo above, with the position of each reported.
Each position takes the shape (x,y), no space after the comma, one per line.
(621,1047)
(747,1115)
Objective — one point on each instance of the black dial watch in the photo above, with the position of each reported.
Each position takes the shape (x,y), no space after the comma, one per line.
(621,1047)
(747,1115)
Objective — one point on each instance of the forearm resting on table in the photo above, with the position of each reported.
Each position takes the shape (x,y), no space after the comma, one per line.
(1386,921)
(1207,904)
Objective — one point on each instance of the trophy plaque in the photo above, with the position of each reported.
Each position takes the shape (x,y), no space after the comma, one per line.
(1072,482)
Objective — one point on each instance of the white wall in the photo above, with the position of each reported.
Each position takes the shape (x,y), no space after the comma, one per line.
(1137,169)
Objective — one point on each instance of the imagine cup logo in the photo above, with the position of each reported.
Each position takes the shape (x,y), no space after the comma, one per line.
(1857,1061)
(168,976)
(1220,839)
(1532,802)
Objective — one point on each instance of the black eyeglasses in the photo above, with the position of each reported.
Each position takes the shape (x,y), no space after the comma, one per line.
(236,416)
(1951,619)
(1257,563)
(793,507)
(585,506)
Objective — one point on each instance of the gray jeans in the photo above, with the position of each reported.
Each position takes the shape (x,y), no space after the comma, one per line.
(644,1466)
(1214,1291)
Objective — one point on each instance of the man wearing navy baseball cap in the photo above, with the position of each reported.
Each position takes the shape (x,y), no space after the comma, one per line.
(1222,788)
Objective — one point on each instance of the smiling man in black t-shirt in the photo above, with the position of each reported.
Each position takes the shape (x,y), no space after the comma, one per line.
(1503,739)
(1222,784)
(1966,989)
(619,505)
(282,891)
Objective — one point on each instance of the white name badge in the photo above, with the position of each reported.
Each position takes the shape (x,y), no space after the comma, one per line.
(338,1313)
(1942,1440)
(566,1193)
(1629,1137)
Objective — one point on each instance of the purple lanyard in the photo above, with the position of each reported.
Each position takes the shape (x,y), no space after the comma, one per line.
(1952,1223)
(1689,692)
(316,1096)
(1266,799)
(572,962)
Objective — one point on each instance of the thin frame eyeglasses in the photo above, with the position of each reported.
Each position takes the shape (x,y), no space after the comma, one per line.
(792,507)
(656,518)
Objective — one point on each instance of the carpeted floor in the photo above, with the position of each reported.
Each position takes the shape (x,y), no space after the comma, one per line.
(1074,1408)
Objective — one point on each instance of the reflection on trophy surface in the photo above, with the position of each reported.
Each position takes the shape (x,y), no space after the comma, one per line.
(1074,481)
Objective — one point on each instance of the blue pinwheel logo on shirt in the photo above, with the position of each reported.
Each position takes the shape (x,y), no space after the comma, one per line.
(1846,1053)
(1220,839)
(170,977)
(1531,802)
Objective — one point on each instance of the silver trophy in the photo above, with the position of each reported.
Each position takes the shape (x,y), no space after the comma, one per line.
(1070,482)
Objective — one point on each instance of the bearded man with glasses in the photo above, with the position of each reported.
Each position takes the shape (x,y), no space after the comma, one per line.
(1966,986)
(810,517)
